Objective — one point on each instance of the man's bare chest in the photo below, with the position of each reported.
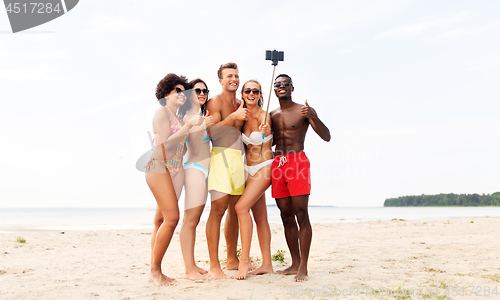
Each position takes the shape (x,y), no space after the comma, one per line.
(288,121)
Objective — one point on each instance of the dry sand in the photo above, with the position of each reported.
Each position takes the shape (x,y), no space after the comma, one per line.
(415,255)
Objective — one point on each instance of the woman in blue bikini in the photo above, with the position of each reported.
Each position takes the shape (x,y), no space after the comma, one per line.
(196,174)
(165,175)
(259,179)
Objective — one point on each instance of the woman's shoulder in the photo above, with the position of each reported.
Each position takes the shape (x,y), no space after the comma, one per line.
(262,115)
(161,114)
(187,116)
(260,111)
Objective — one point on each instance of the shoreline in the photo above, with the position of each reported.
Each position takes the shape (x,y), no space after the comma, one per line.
(414,254)
(124,219)
(113,227)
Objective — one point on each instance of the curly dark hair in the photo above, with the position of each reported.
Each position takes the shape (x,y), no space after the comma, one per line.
(167,84)
(181,112)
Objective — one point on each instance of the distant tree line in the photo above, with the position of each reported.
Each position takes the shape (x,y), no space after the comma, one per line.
(446,200)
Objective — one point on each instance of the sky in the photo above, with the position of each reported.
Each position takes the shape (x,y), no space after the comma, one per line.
(408,89)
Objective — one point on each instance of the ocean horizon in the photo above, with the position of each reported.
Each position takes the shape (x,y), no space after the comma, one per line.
(12,219)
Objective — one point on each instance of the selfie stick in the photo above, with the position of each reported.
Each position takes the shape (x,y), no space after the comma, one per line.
(275,56)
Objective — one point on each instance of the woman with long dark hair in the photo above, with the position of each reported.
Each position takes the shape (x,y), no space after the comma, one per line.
(196,174)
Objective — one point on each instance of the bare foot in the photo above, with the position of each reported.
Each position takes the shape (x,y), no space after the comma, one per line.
(201,270)
(151,279)
(195,276)
(160,279)
(289,271)
(232,265)
(243,268)
(217,274)
(263,270)
(301,276)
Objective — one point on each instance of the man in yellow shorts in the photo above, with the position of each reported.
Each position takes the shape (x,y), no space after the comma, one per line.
(226,178)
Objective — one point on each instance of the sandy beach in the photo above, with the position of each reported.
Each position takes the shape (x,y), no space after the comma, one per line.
(355,260)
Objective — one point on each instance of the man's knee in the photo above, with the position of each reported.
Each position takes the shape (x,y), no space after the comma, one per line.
(302,218)
(287,217)
(218,207)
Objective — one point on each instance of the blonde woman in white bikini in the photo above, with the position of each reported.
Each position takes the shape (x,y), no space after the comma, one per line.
(259,179)
(196,174)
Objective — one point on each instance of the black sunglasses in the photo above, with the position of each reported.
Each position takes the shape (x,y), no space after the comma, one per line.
(199,91)
(254,91)
(285,83)
(179,91)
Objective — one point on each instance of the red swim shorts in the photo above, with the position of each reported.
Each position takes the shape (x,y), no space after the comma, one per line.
(291,175)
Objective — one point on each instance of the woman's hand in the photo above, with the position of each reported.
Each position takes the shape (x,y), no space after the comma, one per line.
(195,120)
(265,128)
(209,120)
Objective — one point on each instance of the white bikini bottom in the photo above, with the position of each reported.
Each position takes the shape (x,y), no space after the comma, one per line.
(253,169)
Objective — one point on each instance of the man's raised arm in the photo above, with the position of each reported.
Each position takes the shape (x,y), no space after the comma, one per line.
(318,126)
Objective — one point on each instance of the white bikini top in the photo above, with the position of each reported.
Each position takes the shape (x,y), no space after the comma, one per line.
(255,138)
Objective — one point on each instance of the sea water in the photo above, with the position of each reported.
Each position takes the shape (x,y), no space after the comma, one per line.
(142,218)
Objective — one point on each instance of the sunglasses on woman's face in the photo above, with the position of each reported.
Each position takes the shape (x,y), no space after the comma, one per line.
(199,91)
(254,91)
(285,83)
(178,90)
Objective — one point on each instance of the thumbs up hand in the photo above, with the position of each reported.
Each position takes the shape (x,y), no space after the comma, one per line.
(308,112)
(195,120)
(241,113)
(209,120)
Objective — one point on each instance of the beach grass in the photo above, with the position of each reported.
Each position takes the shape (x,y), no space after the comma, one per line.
(279,256)
(492,277)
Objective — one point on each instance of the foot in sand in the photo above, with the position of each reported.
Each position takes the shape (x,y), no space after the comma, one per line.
(150,279)
(232,265)
(201,270)
(217,274)
(292,270)
(160,279)
(243,268)
(195,276)
(263,270)
(301,276)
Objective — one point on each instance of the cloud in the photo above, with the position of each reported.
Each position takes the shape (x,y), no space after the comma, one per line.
(420,27)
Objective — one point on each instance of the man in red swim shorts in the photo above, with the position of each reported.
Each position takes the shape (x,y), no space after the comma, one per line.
(291,176)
